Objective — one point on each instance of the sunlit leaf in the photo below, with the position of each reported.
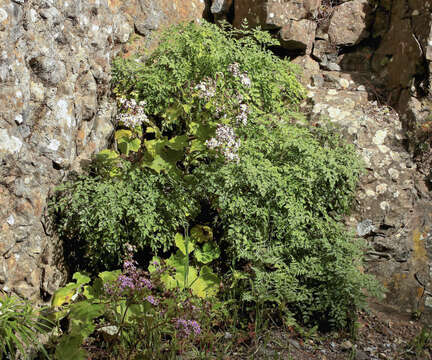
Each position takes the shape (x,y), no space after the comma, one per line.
(80,278)
(209,252)
(207,284)
(201,233)
(181,244)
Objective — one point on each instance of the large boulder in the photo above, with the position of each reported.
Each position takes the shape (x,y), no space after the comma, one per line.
(298,35)
(349,22)
(272,14)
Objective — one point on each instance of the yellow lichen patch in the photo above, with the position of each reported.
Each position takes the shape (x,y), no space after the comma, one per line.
(420,292)
(419,250)
(395,281)
(114,4)
(80,135)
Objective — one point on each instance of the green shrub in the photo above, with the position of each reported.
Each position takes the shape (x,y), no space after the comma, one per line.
(234,64)
(96,216)
(207,128)
(281,208)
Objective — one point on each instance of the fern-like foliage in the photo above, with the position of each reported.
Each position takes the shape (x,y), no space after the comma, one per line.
(281,209)
(97,216)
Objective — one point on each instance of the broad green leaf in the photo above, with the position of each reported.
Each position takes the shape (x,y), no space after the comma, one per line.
(207,284)
(64,295)
(190,279)
(207,253)
(169,282)
(181,244)
(106,155)
(69,348)
(179,262)
(158,164)
(178,143)
(122,134)
(127,141)
(197,145)
(201,131)
(109,276)
(86,311)
(201,233)
(95,290)
(135,145)
(58,315)
(127,145)
(81,279)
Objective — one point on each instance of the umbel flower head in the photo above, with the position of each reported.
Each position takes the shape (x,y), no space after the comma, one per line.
(225,142)
(133,113)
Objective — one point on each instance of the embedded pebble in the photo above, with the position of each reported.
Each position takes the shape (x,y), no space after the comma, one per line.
(381,188)
(394,174)
(10,220)
(8,143)
(384,149)
(379,137)
(370,192)
(384,205)
(365,227)
(344,83)
(19,119)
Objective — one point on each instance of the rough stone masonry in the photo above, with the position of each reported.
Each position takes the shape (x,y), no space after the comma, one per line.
(56,111)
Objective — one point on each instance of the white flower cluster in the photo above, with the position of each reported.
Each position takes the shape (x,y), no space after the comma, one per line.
(242,117)
(133,114)
(206,89)
(234,69)
(225,142)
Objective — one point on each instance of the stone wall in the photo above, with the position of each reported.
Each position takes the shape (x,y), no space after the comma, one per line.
(56,111)
(390,38)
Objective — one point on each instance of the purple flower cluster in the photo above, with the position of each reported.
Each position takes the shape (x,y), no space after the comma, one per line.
(186,327)
(151,299)
(133,114)
(131,279)
(225,142)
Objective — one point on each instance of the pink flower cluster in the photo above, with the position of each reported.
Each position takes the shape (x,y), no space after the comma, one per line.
(131,279)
